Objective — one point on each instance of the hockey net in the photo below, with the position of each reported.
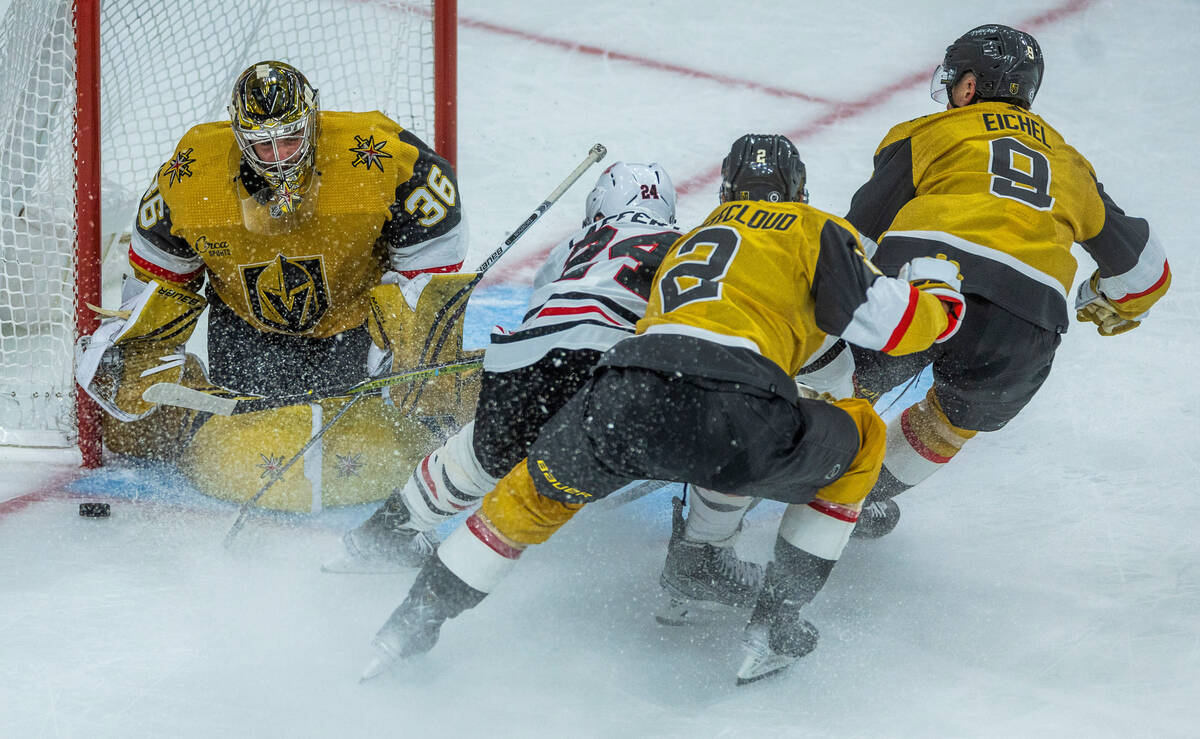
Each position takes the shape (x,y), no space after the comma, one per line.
(164,68)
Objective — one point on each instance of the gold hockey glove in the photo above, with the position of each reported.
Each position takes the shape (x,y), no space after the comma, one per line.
(128,354)
(1091,306)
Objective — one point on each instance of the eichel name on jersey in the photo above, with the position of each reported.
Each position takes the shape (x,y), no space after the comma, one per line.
(750,277)
(590,292)
(385,200)
(980,165)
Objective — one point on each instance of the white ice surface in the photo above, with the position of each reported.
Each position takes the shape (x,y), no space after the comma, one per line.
(1046,584)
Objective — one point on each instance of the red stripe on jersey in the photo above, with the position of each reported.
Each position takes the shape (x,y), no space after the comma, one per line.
(578,311)
(411,273)
(150,267)
(1165,274)
(834,510)
(905,321)
(910,435)
(485,534)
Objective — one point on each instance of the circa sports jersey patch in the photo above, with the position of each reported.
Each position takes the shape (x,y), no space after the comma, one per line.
(369,152)
(179,167)
(287,294)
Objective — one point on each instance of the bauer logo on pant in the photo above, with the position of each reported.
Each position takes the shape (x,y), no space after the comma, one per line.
(560,486)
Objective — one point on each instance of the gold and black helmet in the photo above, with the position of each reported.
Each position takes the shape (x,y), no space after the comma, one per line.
(275,116)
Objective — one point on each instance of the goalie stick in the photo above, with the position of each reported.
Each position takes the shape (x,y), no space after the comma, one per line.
(226,403)
(595,154)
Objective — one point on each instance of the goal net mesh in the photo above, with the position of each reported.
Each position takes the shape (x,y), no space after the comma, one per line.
(164,68)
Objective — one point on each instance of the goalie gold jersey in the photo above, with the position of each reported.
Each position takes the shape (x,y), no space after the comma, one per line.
(994,187)
(383,200)
(775,279)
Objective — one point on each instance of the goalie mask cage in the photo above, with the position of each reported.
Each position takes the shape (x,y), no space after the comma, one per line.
(94,97)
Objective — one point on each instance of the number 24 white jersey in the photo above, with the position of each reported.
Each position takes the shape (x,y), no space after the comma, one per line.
(590,292)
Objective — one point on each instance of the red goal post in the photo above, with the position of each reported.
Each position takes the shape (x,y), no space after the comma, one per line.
(93,97)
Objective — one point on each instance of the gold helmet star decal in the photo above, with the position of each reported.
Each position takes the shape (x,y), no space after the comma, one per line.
(369,152)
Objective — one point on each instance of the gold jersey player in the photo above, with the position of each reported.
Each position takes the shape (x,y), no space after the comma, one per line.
(704,393)
(290,216)
(993,186)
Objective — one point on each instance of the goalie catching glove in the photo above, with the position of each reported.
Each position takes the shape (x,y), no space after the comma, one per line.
(136,347)
(939,277)
(1093,306)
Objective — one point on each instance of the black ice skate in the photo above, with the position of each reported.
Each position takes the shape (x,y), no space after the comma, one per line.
(382,544)
(702,580)
(436,595)
(877,519)
(773,644)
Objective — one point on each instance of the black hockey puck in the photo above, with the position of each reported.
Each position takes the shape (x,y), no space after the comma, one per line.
(94,510)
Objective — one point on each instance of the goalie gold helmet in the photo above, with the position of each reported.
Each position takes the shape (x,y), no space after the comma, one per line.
(275,117)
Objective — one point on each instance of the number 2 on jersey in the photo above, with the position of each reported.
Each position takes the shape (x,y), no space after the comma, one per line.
(694,280)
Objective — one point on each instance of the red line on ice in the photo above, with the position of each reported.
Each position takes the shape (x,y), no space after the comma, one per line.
(838,111)
(50,490)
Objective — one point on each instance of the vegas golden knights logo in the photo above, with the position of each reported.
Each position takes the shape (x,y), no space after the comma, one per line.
(287,294)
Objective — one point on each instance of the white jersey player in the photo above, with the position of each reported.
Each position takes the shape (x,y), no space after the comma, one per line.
(589,294)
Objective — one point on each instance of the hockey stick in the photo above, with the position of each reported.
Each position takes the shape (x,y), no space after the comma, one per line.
(240,521)
(628,494)
(220,403)
(595,154)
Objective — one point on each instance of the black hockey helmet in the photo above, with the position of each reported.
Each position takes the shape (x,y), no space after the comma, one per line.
(1007,63)
(763,167)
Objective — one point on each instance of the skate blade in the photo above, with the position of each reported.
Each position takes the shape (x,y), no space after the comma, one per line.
(688,612)
(381,662)
(747,680)
(759,668)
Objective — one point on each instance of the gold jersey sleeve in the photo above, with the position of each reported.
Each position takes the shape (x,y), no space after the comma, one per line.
(776,279)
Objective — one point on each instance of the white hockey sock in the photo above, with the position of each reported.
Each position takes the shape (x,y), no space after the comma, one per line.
(920,441)
(713,518)
(820,528)
(478,555)
(446,482)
